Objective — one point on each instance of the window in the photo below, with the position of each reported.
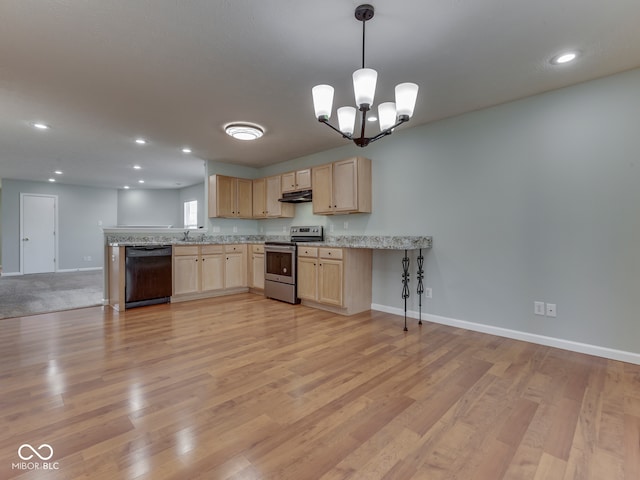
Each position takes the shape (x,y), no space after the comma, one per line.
(191,214)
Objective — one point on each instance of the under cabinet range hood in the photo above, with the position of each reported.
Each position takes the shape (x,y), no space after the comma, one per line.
(296,197)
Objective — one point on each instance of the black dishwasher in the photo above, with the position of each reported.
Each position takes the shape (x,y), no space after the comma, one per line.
(148,275)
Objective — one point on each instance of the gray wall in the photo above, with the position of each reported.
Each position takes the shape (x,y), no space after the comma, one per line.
(79,211)
(147,207)
(534,200)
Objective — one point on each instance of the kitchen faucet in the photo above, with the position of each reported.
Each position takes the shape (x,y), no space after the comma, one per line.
(185,236)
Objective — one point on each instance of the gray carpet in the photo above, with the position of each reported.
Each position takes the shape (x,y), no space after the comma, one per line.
(49,292)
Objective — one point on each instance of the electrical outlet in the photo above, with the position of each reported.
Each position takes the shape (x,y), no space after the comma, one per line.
(538,308)
(551,310)
(427,292)
(284,229)
(346,225)
(331,228)
(216,229)
(235,229)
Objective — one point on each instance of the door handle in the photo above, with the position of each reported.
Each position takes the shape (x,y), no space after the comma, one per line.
(25,239)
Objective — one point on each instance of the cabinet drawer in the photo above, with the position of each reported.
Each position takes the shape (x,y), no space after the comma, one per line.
(211,249)
(307,251)
(233,248)
(185,250)
(257,248)
(331,253)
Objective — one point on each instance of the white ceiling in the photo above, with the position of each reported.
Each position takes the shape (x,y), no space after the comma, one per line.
(102,73)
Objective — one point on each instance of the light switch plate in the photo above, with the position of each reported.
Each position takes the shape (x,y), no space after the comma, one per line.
(538,308)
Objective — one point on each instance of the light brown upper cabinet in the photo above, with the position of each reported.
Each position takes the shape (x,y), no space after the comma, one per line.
(259,198)
(342,187)
(230,197)
(294,181)
(273,192)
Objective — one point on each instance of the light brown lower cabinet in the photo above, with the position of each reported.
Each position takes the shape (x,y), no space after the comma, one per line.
(335,279)
(208,270)
(235,267)
(256,267)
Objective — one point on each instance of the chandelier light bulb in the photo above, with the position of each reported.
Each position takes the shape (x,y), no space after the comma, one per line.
(346,119)
(364,87)
(387,115)
(322,100)
(406,95)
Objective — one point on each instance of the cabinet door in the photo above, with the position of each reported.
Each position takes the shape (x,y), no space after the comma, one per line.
(322,196)
(185,274)
(257,270)
(212,269)
(234,270)
(259,197)
(308,278)
(303,179)
(225,196)
(345,185)
(244,198)
(330,282)
(273,194)
(288,182)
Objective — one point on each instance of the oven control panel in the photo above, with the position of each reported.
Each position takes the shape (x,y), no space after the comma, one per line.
(311,233)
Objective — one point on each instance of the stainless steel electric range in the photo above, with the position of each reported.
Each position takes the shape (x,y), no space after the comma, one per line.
(281,258)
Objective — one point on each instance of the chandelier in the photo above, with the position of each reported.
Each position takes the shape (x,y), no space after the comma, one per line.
(390,114)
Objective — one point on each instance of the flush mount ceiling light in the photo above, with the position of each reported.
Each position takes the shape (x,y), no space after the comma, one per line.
(244,131)
(364,86)
(141,141)
(40,126)
(564,57)
(186,150)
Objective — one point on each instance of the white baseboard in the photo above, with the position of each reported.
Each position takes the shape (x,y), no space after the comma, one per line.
(11,274)
(86,269)
(572,346)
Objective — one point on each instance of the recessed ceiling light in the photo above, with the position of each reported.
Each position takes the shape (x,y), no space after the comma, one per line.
(137,167)
(244,131)
(186,150)
(40,126)
(565,57)
(140,141)
(126,187)
(140,181)
(52,179)
(58,172)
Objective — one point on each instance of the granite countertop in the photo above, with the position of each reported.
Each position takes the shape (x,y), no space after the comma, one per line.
(375,242)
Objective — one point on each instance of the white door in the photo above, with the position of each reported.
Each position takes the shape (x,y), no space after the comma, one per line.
(38,233)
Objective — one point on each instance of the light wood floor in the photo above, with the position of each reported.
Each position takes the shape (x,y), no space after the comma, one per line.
(248,388)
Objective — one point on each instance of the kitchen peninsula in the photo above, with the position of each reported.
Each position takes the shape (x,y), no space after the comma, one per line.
(345,245)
